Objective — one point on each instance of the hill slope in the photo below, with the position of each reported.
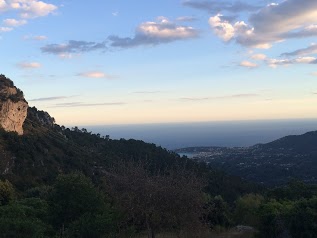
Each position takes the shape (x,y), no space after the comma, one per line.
(46,150)
(274,163)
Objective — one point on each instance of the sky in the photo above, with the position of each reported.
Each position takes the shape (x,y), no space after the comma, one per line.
(133,62)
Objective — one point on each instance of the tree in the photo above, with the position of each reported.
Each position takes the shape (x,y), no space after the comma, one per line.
(246,212)
(156,200)
(73,200)
(27,218)
(216,213)
(6,192)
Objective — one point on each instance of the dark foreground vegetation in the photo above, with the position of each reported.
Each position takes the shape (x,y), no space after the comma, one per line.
(60,182)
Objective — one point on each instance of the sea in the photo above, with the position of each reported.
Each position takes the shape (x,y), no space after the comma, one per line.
(227,133)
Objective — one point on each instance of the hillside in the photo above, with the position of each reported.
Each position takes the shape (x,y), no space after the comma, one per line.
(274,163)
(62,182)
(46,150)
(35,162)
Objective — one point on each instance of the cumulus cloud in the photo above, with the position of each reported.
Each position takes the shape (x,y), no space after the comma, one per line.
(248,64)
(73,47)
(22,10)
(14,22)
(222,28)
(27,8)
(96,74)
(213,6)
(29,65)
(154,33)
(32,8)
(271,24)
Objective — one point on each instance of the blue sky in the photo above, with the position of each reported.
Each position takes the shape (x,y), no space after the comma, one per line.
(129,62)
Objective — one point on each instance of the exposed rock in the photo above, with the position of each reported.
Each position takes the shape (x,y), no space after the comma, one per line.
(13,107)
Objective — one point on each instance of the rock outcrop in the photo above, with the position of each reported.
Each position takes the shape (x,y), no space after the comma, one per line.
(13,106)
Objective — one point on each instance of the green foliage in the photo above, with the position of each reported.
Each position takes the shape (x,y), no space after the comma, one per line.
(25,219)
(302,218)
(92,226)
(42,192)
(152,188)
(295,190)
(216,213)
(247,208)
(74,202)
(7,192)
(5,82)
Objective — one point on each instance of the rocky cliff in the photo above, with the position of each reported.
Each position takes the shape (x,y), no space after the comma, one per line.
(13,106)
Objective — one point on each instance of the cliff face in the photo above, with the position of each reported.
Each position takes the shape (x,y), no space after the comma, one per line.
(13,107)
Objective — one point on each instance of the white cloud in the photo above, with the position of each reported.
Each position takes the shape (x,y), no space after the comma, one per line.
(155,32)
(28,8)
(66,55)
(271,24)
(29,65)
(40,38)
(96,74)
(259,57)
(273,63)
(222,29)
(20,10)
(305,60)
(3,5)
(14,22)
(248,64)
(5,29)
(165,29)
(34,8)
(285,62)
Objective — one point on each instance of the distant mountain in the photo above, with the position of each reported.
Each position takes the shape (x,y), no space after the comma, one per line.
(306,143)
(274,163)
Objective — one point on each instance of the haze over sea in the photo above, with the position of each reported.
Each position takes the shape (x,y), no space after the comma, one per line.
(228,133)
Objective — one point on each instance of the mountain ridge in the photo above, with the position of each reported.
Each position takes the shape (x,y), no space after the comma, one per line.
(273,163)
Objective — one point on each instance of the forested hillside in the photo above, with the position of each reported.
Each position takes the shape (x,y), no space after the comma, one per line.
(33,164)
(61,182)
(271,164)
